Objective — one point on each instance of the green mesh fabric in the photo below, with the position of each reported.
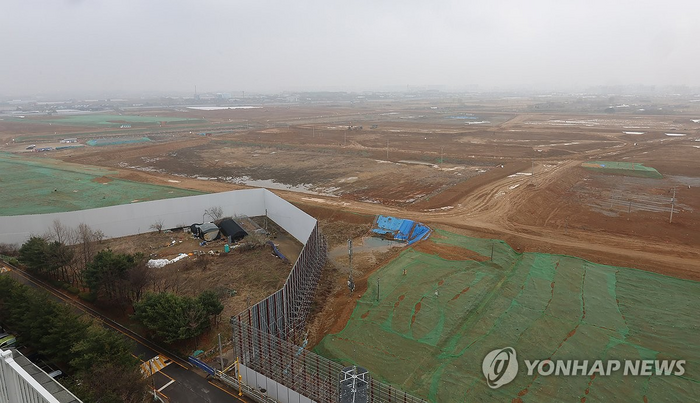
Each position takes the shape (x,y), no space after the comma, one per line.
(28,187)
(622,168)
(105,120)
(432,344)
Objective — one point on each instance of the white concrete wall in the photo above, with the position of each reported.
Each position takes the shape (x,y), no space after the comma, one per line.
(136,218)
(289,217)
(273,389)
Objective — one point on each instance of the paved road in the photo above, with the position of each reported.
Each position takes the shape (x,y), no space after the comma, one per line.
(175,382)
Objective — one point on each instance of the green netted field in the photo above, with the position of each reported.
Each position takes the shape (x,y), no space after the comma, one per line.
(431,328)
(99,119)
(116,141)
(49,186)
(622,168)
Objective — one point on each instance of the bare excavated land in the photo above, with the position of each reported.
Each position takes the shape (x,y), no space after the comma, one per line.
(508,169)
(498,168)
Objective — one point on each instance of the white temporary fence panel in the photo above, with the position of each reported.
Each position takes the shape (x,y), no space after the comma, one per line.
(136,218)
(288,216)
(272,389)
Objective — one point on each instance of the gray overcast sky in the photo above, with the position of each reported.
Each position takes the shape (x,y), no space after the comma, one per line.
(94,46)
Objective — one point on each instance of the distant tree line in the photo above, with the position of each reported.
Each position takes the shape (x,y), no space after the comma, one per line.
(100,363)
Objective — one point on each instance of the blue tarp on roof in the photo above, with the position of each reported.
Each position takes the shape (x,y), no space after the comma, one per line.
(419,232)
(389,223)
(400,229)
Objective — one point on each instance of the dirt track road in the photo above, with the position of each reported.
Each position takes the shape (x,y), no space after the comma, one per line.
(485,212)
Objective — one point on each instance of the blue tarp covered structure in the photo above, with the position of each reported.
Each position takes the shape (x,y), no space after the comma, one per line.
(400,229)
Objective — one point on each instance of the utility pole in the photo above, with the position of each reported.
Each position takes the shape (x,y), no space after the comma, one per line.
(492,251)
(351,282)
(377,289)
(221,355)
(387,150)
(240,377)
(153,379)
(673,203)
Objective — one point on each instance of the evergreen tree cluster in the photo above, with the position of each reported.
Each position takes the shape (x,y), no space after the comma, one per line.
(99,360)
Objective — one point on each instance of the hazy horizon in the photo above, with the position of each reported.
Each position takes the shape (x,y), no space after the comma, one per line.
(128,47)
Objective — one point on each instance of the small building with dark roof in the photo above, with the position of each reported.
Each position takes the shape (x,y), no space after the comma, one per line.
(232,230)
(207,231)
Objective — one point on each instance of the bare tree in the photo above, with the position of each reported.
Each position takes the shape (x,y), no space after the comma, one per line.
(60,233)
(137,278)
(157,226)
(216,212)
(162,280)
(86,244)
(87,241)
(9,249)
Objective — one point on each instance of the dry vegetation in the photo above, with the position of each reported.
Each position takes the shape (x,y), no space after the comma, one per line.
(240,277)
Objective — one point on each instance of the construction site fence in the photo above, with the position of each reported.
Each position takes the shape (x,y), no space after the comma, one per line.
(283,314)
(301,370)
(250,392)
(136,218)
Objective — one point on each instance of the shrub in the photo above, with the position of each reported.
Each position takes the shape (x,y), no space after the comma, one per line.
(9,249)
(87,296)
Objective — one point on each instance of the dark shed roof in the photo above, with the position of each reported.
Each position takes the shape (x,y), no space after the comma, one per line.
(230,228)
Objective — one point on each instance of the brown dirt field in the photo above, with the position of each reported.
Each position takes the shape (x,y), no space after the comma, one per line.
(10,130)
(253,274)
(337,233)
(102,179)
(448,252)
(530,211)
(551,211)
(334,304)
(454,194)
(334,214)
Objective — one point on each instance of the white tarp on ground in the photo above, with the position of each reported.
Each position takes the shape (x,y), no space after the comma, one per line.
(136,218)
(153,263)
